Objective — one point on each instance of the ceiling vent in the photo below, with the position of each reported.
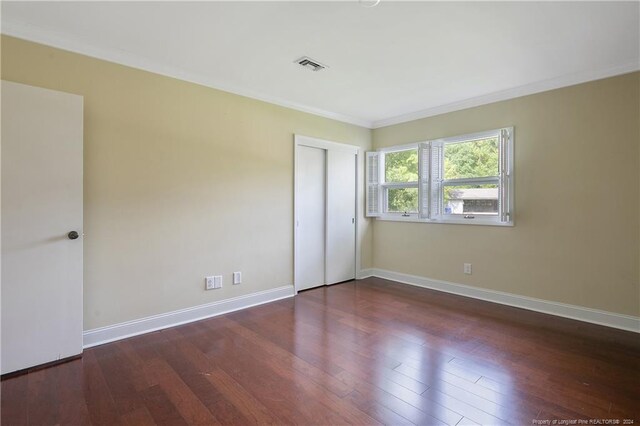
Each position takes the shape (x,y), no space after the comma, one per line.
(309,63)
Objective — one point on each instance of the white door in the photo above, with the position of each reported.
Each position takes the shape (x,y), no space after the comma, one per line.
(41,205)
(310,202)
(341,216)
(325,206)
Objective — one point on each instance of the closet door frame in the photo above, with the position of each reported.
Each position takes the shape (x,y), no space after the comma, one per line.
(301,140)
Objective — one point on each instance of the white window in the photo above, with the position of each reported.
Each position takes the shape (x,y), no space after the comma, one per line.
(464,179)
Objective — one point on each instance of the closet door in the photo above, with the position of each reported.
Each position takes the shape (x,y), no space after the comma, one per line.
(325,212)
(341,216)
(310,223)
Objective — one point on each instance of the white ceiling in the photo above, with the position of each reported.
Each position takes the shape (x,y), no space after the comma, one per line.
(387,64)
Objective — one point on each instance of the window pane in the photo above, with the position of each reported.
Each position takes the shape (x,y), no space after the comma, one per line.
(400,200)
(471,199)
(471,159)
(401,166)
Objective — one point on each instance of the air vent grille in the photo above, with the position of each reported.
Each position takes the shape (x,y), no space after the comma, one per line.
(309,63)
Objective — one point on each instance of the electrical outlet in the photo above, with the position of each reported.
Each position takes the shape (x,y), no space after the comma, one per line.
(211,283)
(208,283)
(467,268)
(237,278)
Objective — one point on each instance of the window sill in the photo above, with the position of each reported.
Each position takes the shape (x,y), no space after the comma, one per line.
(414,219)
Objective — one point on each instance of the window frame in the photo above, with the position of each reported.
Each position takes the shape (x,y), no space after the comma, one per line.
(431,182)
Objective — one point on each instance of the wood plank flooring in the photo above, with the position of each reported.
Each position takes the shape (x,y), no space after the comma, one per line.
(364,352)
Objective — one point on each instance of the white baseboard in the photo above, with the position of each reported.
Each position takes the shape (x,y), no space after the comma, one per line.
(99,336)
(609,319)
(364,273)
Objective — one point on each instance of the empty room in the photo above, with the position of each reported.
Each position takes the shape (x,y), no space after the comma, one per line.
(370,212)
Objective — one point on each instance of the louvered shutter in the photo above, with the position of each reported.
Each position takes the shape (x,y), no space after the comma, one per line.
(437,175)
(504,202)
(424,165)
(373,184)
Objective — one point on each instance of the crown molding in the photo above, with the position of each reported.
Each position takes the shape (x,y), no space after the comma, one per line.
(122,57)
(516,92)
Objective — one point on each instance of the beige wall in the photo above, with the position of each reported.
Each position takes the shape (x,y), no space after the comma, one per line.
(180,181)
(577,232)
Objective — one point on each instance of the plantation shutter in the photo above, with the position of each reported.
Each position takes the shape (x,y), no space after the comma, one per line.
(424,163)
(373,184)
(504,201)
(437,175)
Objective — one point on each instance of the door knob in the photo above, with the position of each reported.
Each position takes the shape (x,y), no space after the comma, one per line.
(73,235)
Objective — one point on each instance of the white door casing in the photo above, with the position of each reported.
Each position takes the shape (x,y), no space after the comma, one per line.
(42,171)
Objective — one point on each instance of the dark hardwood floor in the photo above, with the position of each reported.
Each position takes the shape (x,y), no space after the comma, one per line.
(365,352)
